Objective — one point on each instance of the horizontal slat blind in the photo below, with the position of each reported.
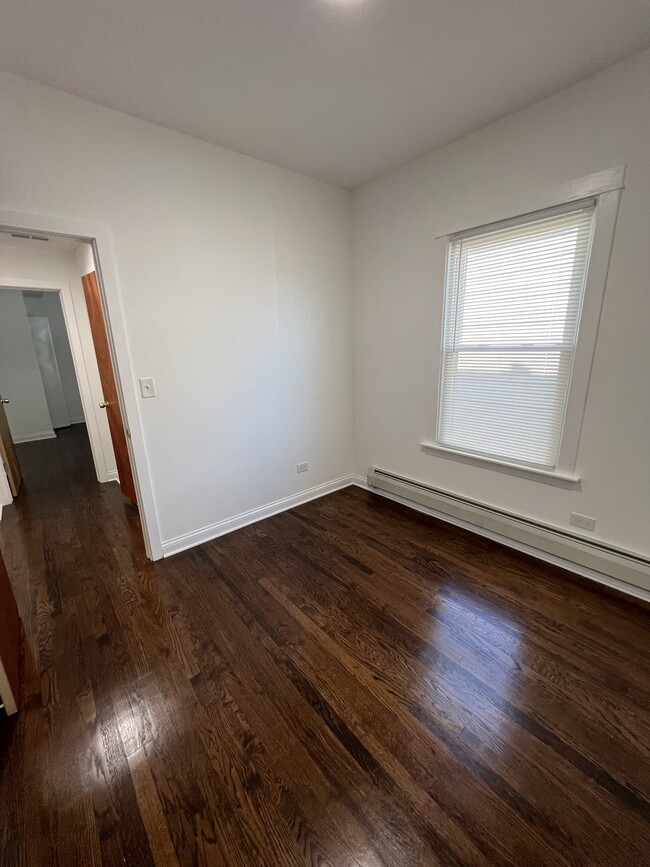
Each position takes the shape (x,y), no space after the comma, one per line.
(512,308)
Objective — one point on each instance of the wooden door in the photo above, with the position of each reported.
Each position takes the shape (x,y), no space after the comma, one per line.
(9,643)
(109,387)
(8,453)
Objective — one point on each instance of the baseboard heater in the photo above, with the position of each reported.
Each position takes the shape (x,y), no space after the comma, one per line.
(627,566)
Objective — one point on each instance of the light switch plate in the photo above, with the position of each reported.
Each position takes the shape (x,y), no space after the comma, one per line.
(147,386)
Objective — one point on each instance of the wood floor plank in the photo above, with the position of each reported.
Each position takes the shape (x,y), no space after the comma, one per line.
(151,811)
(499,618)
(489,645)
(304,754)
(348,684)
(374,680)
(622,738)
(77,843)
(529,586)
(276,622)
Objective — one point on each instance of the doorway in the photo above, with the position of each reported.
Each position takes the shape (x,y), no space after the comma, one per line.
(40,394)
(113,351)
(42,379)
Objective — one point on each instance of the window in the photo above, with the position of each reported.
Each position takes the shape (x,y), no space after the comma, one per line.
(513,302)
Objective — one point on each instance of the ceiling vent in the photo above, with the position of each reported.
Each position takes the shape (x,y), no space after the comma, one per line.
(29,237)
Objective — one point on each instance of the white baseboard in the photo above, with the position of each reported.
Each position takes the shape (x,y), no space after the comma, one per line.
(112,476)
(229,525)
(632,589)
(31,438)
(78,420)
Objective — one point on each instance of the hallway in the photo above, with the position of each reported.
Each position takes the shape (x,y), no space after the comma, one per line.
(347,683)
(63,538)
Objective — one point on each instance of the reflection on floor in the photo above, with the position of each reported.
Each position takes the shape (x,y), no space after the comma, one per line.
(348,683)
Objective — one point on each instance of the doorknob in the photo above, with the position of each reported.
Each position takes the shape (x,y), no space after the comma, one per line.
(103,405)
(4,400)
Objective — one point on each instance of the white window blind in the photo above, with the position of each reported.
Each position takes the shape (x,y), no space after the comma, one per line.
(512,308)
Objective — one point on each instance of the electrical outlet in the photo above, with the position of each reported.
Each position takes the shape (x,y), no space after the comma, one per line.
(302,468)
(583,521)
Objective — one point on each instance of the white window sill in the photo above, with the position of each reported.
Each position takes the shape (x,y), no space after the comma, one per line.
(550,477)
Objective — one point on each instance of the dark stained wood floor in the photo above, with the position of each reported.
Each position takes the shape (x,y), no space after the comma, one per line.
(348,683)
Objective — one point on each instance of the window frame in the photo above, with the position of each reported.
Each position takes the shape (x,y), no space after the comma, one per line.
(605,188)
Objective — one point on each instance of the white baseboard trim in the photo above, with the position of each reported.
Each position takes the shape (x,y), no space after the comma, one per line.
(112,476)
(31,438)
(640,588)
(78,420)
(229,525)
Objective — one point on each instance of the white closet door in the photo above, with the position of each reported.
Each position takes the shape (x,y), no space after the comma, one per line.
(54,394)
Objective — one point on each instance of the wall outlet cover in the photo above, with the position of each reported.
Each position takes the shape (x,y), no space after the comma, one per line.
(583,521)
(302,468)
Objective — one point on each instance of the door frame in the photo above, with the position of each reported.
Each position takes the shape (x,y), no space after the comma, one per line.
(98,236)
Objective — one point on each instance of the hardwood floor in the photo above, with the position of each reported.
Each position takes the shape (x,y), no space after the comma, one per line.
(348,683)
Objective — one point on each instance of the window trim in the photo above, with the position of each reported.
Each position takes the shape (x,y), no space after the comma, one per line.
(605,187)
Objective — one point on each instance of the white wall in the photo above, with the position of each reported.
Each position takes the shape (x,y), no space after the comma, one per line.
(20,376)
(49,305)
(46,355)
(27,263)
(85,259)
(399,277)
(235,283)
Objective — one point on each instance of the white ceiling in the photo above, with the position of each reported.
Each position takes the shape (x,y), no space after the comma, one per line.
(342,90)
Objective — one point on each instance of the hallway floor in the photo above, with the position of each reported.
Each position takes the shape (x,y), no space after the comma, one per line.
(347,683)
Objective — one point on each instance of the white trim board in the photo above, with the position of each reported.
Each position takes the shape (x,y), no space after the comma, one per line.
(229,525)
(5,491)
(637,574)
(547,476)
(6,695)
(596,184)
(32,438)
